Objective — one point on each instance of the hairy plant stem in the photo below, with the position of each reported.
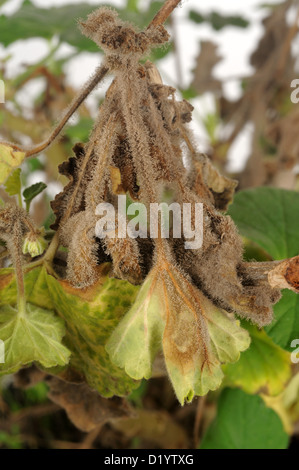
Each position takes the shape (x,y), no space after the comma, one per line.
(98,76)
(164,13)
(16,252)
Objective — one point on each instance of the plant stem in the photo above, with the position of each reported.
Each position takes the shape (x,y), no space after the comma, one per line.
(16,252)
(51,251)
(164,13)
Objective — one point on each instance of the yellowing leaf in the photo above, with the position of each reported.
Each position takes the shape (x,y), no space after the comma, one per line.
(9,160)
(36,288)
(136,341)
(33,335)
(91,315)
(13,183)
(264,366)
(171,314)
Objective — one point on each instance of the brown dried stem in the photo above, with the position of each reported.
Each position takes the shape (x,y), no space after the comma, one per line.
(164,13)
(282,274)
(90,85)
(285,275)
(16,253)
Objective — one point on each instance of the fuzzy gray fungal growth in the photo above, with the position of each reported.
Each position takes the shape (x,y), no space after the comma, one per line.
(114,36)
(140,132)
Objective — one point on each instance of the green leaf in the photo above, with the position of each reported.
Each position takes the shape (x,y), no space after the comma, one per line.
(244,422)
(160,52)
(13,183)
(30,21)
(34,335)
(36,288)
(270,218)
(217,20)
(9,159)
(80,132)
(90,316)
(189,93)
(132,5)
(33,191)
(196,17)
(263,366)
(285,326)
(136,341)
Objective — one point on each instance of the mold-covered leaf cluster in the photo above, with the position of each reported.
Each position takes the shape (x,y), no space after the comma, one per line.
(121,302)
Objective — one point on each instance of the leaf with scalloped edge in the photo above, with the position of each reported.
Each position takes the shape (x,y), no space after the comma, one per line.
(264,366)
(196,337)
(33,335)
(136,341)
(91,314)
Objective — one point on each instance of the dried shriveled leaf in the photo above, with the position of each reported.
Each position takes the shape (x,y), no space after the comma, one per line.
(203,80)
(34,335)
(264,366)
(276,30)
(84,407)
(157,427)
(71,169)
(209,184)
(9,160)
(170,314)
(28,377)
(286,275)
(222,188)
